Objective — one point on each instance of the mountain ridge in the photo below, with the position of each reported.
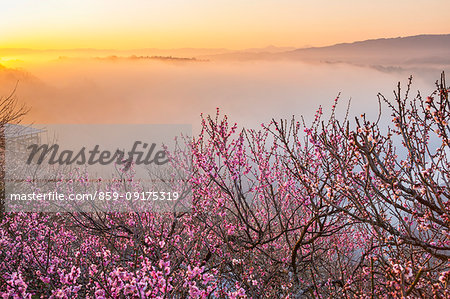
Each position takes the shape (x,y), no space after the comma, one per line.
(398,50)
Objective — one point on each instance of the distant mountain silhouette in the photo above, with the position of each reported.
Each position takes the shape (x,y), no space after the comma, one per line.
(420,49)
(401,50)
(416,50)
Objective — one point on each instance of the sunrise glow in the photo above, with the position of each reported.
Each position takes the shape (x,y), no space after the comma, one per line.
(213,24)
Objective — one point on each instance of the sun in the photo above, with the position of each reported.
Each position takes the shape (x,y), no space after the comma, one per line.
(10,62)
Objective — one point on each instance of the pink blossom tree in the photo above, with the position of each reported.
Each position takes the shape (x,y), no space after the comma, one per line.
(335,209)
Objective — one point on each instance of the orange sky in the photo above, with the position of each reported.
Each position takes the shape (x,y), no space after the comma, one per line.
(233,24)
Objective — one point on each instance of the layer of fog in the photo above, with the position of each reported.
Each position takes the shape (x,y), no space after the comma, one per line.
(89,91)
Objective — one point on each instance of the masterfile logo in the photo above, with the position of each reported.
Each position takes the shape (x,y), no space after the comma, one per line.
(147,156)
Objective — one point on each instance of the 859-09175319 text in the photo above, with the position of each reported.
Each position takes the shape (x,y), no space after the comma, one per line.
(97,195)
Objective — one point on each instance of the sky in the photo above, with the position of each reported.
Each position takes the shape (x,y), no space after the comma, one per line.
(232,24)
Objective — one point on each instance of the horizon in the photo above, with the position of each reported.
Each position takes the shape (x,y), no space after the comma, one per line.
(270,45)
(26,57)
